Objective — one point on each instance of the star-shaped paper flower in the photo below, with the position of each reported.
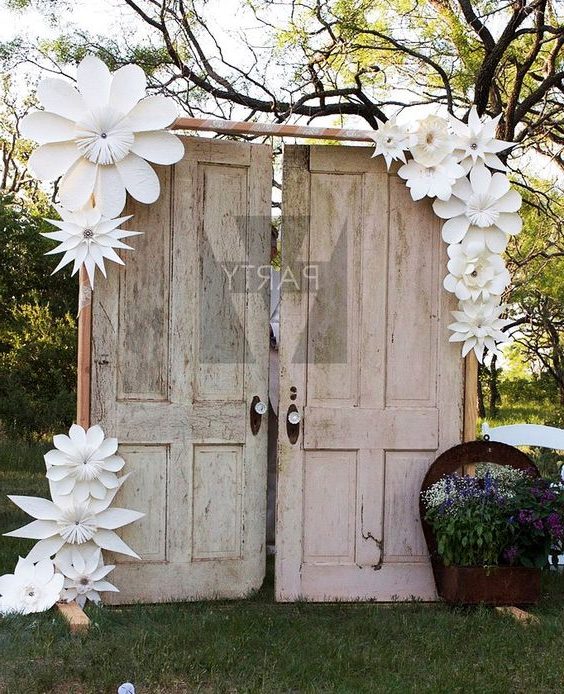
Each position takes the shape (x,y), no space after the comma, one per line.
(87,238)
(476,141)
(432,181)
(98,136)
(31,588)
(433,142)
(478,326)
(73,523)
(484,201)
(391,141)
(479,277)
(84,572)
(83,464)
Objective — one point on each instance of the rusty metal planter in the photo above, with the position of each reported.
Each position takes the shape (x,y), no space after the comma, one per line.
(472,585)
(488,585)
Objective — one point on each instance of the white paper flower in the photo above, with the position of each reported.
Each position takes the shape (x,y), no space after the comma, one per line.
(73,523)
(83,464)
(433,142)
(478,326)
(484,201)
(98,136)
(478,277)
(432,181)
(476,141)
(84,572)
(31,588)
(477,240)
(87,238)
(391,141)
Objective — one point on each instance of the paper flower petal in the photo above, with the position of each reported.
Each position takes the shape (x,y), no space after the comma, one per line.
(60,97)
(43,509)
(117,517)
(46,127)
(94,79)
(77,185)
(139,178)
(158,146)
(152,113)
(109,191)
(128,87)
(52,160)
(107,539)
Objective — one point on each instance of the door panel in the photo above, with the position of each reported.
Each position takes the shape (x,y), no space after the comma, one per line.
(180,348)
(365,358)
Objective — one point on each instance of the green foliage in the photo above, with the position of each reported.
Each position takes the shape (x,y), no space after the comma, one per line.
(37,371)
(500,516)
(25,271)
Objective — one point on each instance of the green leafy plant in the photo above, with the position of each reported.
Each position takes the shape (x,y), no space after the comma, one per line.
(499,516)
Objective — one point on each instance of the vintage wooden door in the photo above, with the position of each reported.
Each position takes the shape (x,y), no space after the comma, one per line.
(180,348)
(365,360)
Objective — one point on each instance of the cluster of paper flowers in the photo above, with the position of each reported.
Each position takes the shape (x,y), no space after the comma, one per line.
(451,161)
(72,528)
(98,138)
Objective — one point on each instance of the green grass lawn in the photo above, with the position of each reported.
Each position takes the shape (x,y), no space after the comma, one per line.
(259,646)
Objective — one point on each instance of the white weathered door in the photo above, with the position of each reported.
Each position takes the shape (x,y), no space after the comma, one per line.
(180,348)
(365,360)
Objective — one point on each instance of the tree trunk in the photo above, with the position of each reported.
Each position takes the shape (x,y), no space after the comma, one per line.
(481,404)
(495,397)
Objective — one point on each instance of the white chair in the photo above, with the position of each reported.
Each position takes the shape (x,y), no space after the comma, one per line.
(526,435)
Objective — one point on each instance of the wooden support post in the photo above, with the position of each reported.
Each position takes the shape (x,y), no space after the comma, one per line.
(470,397)
(84,350)
(78,621)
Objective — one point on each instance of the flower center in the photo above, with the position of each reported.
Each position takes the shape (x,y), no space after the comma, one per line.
(104,137)
(481,211)
(77,526)
(88,234)
(473,146)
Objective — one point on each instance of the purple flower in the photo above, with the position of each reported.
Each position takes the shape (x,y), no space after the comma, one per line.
(525,517)
(511,554)
(538,524)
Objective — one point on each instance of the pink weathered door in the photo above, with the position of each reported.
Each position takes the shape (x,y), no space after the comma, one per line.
(366,363)
(180,350)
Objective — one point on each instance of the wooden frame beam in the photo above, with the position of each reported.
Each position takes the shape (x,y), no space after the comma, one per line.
(234,127)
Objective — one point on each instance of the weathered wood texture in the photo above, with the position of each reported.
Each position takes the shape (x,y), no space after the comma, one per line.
(364,343)
(471,398)
(84,350)
(180,347)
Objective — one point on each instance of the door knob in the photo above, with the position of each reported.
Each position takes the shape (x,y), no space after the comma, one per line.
(293,419)
(258,408)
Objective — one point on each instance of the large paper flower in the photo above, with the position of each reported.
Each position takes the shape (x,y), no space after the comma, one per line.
(87,238)
(31,588)
(433,142)
(391,141)
(434,181)
(484,201)
(98,136)
(476,141)
(84,572)
(73,523)
(478,326)
(83,464)
(478,277)
(477,241)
